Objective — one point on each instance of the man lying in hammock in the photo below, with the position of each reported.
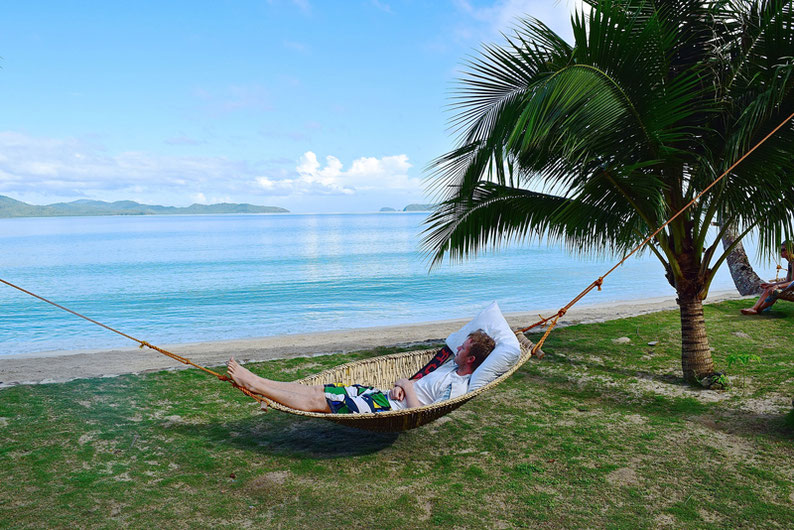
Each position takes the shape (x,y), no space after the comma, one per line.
(448,381)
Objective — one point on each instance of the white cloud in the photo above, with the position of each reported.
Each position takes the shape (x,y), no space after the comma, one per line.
(383,6)
(366,173)
(42,170)
(45,168)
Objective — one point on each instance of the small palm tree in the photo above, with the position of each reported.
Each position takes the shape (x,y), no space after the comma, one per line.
(596,144)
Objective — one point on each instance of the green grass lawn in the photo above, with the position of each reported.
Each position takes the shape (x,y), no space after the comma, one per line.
(596,434)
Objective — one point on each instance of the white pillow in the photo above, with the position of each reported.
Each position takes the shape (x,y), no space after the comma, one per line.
(502,358)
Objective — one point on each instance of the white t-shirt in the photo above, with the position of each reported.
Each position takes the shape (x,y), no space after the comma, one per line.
(439,385)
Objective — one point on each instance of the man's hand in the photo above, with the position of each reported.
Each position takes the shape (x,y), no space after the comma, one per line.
(407,386)
(397,393)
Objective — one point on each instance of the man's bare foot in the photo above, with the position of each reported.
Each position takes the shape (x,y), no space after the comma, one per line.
(749,311)
(242,376)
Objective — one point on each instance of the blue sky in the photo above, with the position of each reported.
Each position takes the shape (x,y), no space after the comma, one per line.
(316,106)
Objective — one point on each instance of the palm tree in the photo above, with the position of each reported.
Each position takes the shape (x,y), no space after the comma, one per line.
(597,143)
(744,277)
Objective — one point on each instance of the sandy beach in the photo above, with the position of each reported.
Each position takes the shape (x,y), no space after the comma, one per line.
(60,366)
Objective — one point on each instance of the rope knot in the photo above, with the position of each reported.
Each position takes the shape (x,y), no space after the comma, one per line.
(561,312)
(599,282)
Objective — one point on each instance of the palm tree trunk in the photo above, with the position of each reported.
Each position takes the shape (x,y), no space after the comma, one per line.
(696,360)
(744,277)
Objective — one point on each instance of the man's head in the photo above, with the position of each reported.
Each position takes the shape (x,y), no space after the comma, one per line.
(787,249)
(475,349)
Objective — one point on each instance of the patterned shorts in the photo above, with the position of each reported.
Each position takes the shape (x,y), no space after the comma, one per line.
(355,399)
(772,298)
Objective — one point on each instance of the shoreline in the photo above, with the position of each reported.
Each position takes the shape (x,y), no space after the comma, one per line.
(62,366)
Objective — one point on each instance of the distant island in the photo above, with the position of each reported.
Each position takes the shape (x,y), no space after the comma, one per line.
(419,208)
(13,208)
(410,208)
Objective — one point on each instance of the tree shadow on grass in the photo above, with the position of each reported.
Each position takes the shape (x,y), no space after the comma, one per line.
(782,308)
(307,437)
(729,419)
(593,367)
(771,314)
(746,423)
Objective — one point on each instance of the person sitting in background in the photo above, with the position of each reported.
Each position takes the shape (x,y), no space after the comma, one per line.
(771,291)
(448,381)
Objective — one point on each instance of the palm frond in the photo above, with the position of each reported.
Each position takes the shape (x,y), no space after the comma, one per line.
(596,143)
(494,215)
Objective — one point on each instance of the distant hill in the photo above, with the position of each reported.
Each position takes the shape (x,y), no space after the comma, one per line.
(13,208)
(419,208)
(387,209)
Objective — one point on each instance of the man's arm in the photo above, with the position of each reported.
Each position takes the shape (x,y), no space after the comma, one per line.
(410,394)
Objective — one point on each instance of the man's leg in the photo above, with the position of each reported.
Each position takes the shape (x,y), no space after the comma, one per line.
(761,304)
(769,300)
(293,395)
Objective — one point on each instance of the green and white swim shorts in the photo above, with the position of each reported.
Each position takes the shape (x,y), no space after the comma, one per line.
(355,399)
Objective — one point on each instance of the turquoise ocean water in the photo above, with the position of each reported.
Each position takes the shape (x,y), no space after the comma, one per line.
(173,279)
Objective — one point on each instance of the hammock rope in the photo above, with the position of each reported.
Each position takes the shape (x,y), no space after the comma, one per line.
(550,322)
(142,343)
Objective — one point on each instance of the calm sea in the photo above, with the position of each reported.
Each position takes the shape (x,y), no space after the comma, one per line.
(172,279)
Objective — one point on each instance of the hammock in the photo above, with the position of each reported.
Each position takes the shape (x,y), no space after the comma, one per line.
(379,372)
(383,371)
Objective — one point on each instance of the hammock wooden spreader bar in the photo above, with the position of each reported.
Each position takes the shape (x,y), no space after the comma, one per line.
(599,282)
